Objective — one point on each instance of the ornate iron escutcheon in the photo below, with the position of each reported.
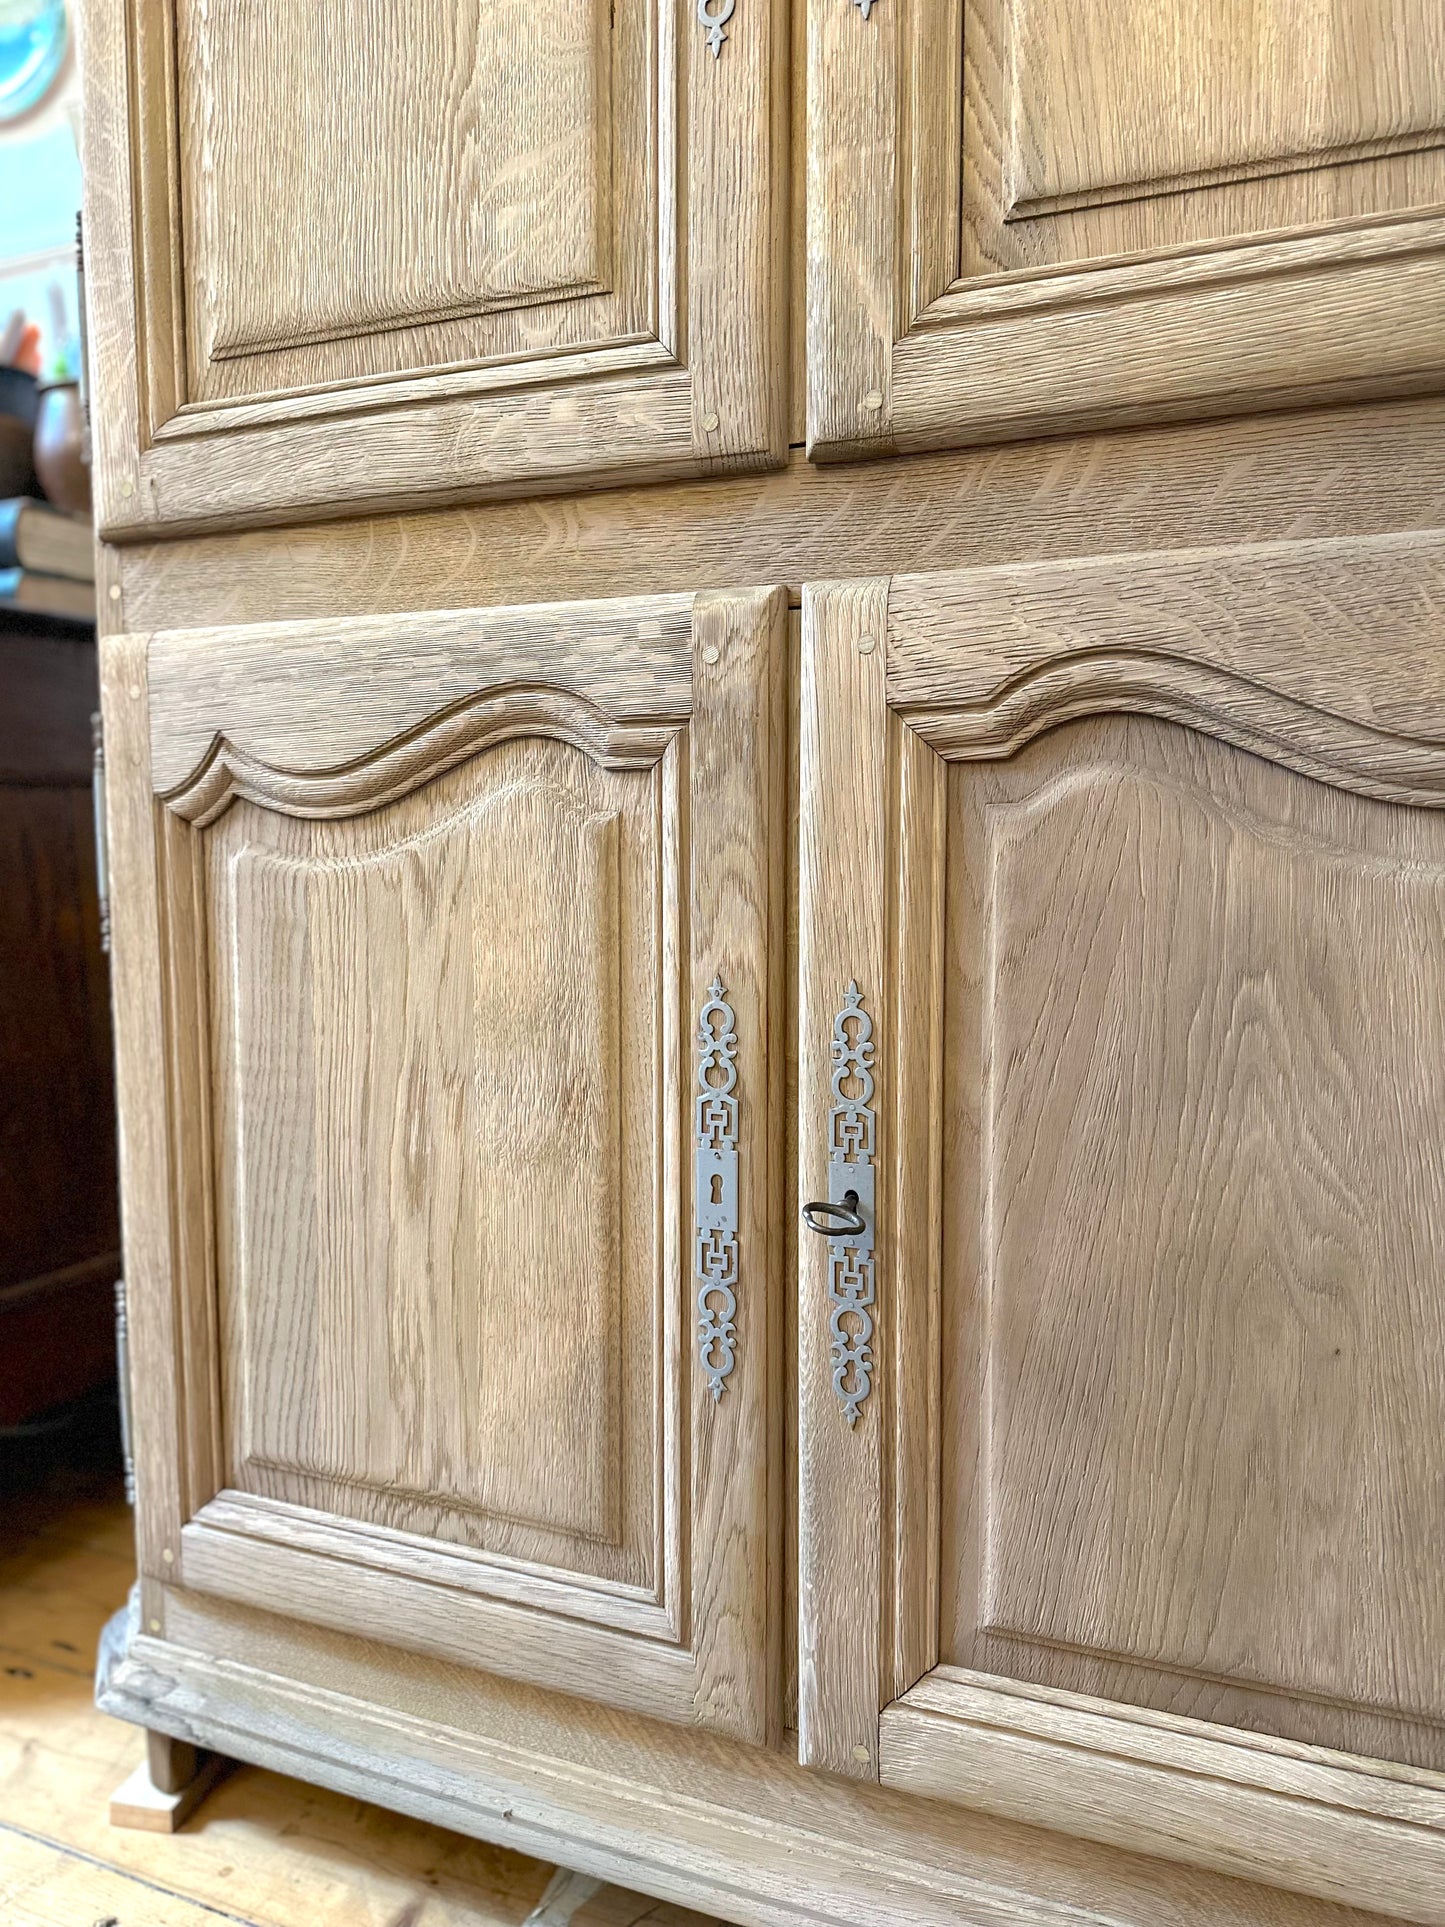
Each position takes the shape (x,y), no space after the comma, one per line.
(852,1177)
(716,21)
(716,1188)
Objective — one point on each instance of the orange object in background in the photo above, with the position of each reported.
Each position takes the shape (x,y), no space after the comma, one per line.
(20,344)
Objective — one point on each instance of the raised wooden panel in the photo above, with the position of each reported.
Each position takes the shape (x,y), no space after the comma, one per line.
(476,149)
(1026,217)
(332,264)
(1211,90)
(434,1035)
(1103,132)
(436,902)
(1194,1357)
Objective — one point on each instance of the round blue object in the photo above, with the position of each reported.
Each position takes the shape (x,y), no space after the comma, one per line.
(33,37)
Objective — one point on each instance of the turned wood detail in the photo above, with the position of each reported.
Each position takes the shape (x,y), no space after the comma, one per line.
(406,762)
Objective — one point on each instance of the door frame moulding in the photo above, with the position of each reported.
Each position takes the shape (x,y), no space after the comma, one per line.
(1313,669)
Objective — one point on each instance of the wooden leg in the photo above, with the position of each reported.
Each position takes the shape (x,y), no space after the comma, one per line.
(167,1787)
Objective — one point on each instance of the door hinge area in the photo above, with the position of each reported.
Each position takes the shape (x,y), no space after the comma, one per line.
(102,846)
(122,1374)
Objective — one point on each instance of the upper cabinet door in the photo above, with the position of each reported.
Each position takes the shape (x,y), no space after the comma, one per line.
(1027,216)
(453,1151)
(341,256)
(1122,1020)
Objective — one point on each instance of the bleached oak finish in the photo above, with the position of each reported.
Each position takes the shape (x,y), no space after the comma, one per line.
(844,1553)
(693,1819)
(436,811)
(1169,1165)
(143,1131)
(516,248)
(867,1502)
(1181,1788)
(1027,218)
(256,1859)
(437,901)
(1339,473)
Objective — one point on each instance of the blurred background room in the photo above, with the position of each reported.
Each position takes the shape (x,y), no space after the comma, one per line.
(59,1239)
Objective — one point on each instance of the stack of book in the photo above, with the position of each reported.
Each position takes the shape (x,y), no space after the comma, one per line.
(47,561)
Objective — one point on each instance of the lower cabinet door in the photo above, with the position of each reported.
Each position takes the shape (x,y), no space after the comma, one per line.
(1122,1141)
(448,979)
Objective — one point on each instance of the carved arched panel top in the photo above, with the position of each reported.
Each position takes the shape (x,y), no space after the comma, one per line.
(1251,716)
(1325,657)
(330,695)
(406,763)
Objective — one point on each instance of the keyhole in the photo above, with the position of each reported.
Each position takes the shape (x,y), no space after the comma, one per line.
(716,1197)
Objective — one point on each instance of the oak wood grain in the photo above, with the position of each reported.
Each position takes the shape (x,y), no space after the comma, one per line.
(1134,233)
(1177,1788)
(143,1123)
(1319,655)
(1207,1204)
(269,691)
(844,1546)
(521,245)
(1094,135)
(1346,472)
(476,152)
(436,1255)
(268,1852)
(689,1817)
(462,1400)
(1184,1319)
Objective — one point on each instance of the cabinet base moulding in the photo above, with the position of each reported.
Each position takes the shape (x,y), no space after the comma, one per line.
(689,1817)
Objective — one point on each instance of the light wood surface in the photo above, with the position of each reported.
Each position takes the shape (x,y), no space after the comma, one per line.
(692,1818)
(1345,472)
(442,899)
(1028,219)
(1273,1811)
(263,1851)
(1190,1202)
(844,1550)
(1208,1204)
(443,396)
(517,246)
(1096,132)
(479,153)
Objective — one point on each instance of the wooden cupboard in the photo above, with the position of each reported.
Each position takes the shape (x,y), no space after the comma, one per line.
(780,1126)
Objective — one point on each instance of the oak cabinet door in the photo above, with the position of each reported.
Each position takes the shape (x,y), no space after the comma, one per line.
(1027,216)
(465,928)
(1122,1004)
(340,256)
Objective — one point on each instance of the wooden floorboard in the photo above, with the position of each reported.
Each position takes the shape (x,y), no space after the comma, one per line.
(262,1851)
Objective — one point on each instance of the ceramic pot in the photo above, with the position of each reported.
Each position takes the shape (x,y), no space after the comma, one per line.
(60,448)
(19,399)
